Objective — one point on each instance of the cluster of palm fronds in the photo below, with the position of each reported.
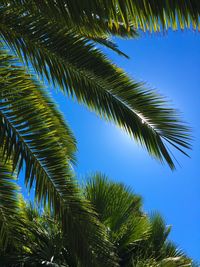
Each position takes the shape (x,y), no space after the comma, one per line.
(57,40)
(35,238)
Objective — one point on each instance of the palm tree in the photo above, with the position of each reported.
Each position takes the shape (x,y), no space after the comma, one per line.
(40,241)
(140,240)
(57,40)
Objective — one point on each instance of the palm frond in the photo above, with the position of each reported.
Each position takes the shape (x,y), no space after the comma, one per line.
(81,70)
(171,250)
(9,203)
(56,13)
(175,262)
(159,232)
(29,135)
(157,246)
(114,202)
(119,210)
(149,15)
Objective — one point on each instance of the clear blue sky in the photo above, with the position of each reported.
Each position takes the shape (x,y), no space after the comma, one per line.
(170,64)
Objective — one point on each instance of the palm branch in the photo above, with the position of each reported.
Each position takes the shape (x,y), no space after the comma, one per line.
(84,72)
(140,240)
(157,246)
(115,15)
(32,132)
(120,211)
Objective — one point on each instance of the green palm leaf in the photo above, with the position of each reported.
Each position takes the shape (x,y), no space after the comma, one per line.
(150,15)
(113,202)
(139,241)
(9,204)
(53,11)
(82,71)
(31,133)
(120,211)
(158,248)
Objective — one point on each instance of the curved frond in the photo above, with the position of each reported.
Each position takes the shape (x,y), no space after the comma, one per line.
(29,135)
(82,71)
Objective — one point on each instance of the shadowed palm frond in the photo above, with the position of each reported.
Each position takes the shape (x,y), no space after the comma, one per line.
(45,244)
(84,72)
(151,15)
(56,12)
(34,135)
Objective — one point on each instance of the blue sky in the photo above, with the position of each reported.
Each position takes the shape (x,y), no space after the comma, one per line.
(169,64)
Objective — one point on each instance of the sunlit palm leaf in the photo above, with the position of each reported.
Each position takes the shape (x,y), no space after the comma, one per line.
(82,71)
(175,262)
(31,133)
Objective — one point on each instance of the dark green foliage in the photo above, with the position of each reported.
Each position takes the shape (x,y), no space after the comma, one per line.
(84,72)
(34,133)
(138,240)
(57,39)
(118,17)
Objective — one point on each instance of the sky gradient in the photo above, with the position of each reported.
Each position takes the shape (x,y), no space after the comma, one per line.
(169,64)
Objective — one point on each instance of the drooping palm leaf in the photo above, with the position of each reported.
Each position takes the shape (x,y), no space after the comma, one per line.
(31,133)
(78,68)
(104,41)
